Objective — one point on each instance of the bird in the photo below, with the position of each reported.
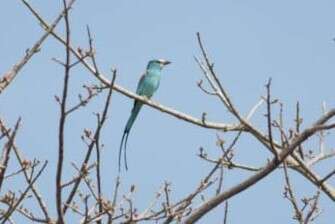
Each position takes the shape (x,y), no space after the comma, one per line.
(146,87)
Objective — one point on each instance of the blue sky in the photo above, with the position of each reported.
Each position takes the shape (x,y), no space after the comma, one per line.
(249,41)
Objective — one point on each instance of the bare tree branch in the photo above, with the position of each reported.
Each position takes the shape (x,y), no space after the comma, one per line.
(271,166)
(62,119)
(89,151)
(7,215)
(24,165)
(9,76)
(6,152)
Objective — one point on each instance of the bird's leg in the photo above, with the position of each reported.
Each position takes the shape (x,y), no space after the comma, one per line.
(149,99)
(146,97)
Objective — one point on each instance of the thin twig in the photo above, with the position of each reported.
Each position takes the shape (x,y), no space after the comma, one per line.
(97,145)
(298,122)
(329,175)
(291,197)
(313,209)
(89,151)
(6,152)
(91,93)
(115,194)
(268,116)
(225,213)
(254,109)
(23,195)
(92,55)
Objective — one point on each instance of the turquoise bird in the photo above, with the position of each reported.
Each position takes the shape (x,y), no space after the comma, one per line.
(146,87)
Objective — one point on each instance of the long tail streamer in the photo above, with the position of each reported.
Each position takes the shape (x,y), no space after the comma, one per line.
(134,113)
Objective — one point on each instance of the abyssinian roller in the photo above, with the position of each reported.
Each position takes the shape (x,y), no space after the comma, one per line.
(146,87)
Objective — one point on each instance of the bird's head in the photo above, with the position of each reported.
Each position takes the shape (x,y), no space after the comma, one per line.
(157,64)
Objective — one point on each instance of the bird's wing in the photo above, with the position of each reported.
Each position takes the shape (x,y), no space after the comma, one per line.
(140,85)
(139,90)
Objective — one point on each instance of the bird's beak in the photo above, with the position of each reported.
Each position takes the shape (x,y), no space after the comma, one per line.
(165,62)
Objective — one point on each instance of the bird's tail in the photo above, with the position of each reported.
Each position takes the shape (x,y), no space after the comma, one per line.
(130,122)
(134,112)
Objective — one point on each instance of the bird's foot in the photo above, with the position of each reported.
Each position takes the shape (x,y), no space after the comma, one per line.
(146,97)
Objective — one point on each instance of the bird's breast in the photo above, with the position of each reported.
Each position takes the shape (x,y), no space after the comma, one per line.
(151,84)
